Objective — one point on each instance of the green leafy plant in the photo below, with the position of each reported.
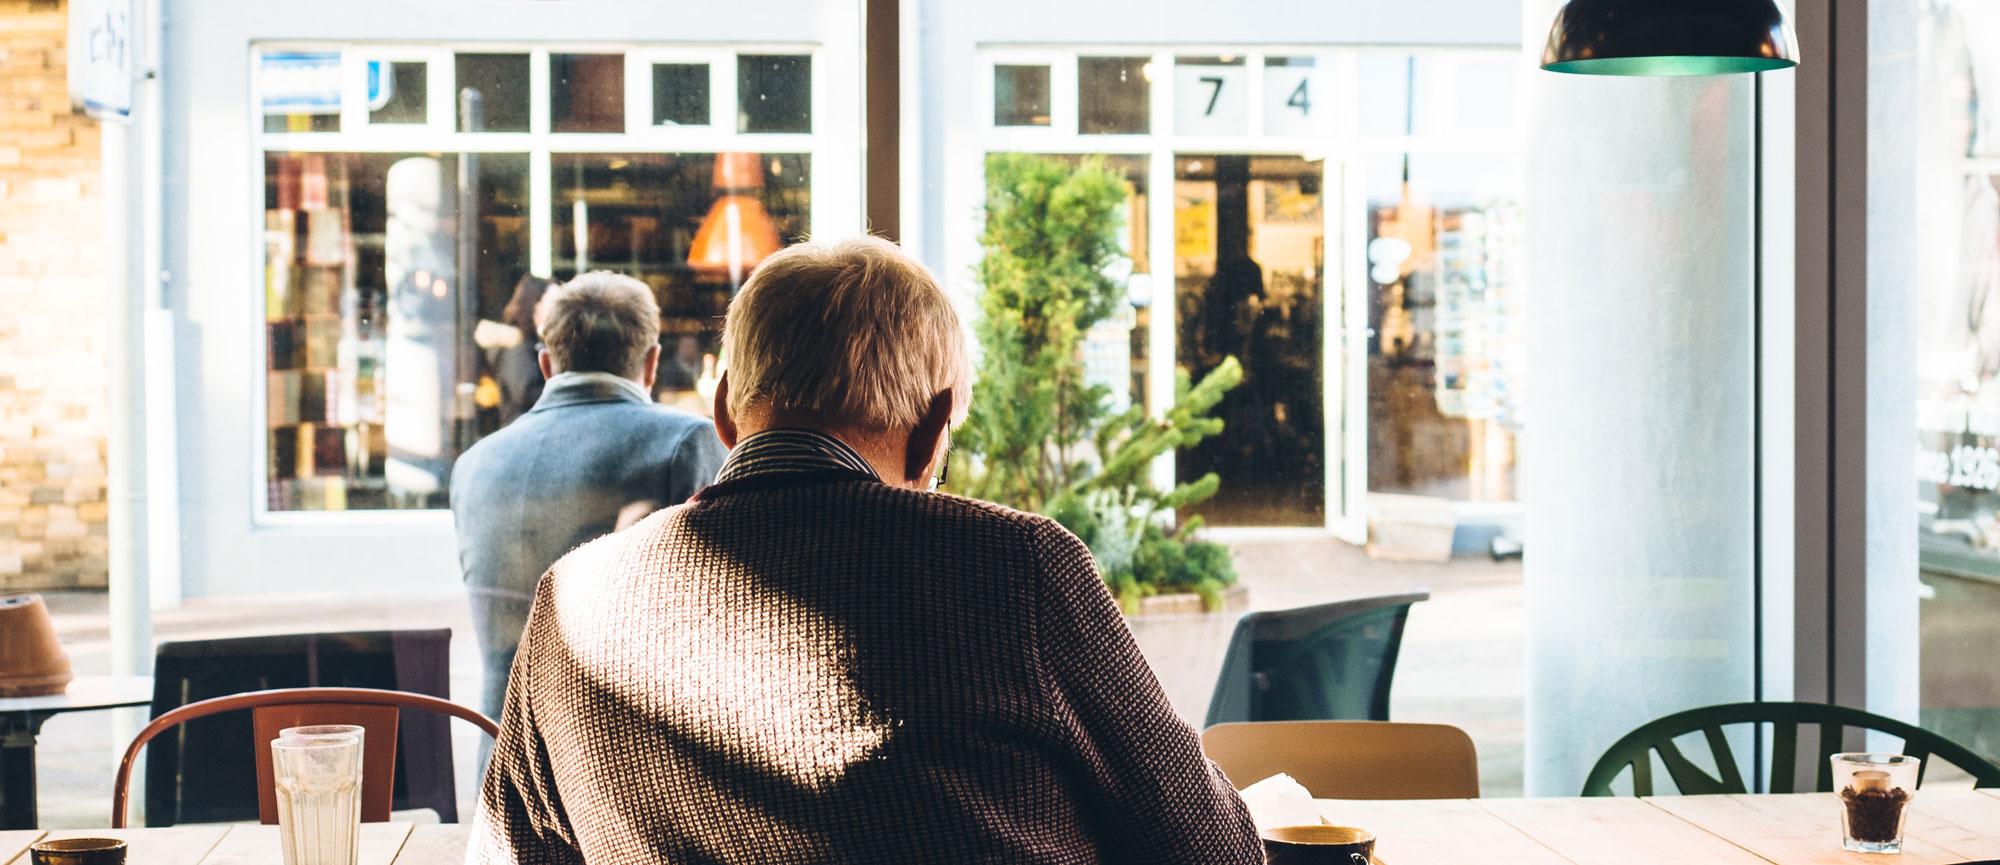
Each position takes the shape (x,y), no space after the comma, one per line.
(1040,437)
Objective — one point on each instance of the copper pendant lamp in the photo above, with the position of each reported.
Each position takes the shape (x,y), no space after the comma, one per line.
(738,232)
(1671,37)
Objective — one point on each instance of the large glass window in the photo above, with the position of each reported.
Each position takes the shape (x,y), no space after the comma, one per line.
(393,247)
(1958,373)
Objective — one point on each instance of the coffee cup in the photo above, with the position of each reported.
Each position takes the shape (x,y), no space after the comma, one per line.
(1319,845)
(78,851)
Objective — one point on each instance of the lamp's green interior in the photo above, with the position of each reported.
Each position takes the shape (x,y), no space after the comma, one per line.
(1668,65)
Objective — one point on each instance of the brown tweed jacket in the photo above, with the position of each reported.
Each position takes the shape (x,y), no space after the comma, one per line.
(828,669)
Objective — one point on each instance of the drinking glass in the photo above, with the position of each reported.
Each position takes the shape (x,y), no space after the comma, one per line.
(318,779)
(320,730)
(1875,792)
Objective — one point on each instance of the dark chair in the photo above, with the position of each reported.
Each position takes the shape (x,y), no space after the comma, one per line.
(377,712)
(1330,662)
(1635,751)
(205,772)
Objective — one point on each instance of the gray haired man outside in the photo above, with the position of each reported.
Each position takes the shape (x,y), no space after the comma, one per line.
(593,455)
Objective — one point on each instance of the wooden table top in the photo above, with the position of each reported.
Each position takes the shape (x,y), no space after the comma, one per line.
(1945,827)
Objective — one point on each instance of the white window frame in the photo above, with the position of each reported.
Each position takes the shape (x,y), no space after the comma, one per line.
(440,135)
(1336,142)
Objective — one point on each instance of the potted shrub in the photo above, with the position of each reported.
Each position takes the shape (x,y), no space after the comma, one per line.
(1041,438)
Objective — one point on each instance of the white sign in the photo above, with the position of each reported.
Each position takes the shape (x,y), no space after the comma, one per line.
(1292,100)
(101,46)
(300,83)
(1211,99)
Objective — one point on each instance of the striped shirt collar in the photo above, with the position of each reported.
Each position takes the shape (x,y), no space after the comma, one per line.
(776,451)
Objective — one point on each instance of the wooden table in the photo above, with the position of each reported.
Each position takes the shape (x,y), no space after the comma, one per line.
(1945,826)
(21,720)
(381,844)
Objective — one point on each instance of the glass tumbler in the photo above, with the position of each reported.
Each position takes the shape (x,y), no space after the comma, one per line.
(1875,792)
(318,779)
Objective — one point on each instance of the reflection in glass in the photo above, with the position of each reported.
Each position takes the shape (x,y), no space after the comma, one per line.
(774,93)
(500,82)
(1447,305)
(1957,300)
(372,369)
(1114,95)
(1249,247)
(680,94)
(1021,95)
(587,92)
(641,213)
(397,92)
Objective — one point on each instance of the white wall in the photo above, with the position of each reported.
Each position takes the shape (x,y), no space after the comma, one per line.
(214,194)
(1638,477)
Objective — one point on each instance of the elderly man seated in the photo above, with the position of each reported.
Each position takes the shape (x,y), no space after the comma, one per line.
(820,659)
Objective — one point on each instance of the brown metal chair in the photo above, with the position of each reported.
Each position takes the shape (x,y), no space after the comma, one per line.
(376,711)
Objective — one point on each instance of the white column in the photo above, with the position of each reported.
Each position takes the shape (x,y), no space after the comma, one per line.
(1637,474)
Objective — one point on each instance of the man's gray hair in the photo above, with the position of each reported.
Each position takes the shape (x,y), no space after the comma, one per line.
(599,322)
(854,331)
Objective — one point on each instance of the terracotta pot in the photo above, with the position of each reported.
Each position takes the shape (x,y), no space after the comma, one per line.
(32,662)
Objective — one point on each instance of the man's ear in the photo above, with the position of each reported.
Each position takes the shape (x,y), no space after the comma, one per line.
(926,441)
(725,423)
(649,370)
(547,363)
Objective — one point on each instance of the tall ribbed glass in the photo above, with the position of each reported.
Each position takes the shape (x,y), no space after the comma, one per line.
(318,781)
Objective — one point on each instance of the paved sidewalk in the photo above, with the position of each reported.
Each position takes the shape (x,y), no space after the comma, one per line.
(1462,660)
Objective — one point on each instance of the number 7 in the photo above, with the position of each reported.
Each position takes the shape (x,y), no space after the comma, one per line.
(1213,95)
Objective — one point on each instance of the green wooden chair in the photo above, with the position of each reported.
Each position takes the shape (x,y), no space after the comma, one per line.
(1635,751)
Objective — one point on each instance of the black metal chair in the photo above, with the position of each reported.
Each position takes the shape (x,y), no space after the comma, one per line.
(205,771)
(1328,662)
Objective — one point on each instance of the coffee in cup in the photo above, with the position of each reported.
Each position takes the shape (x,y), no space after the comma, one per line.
(1319,845)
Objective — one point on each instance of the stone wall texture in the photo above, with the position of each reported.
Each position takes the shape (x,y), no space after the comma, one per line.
(53,396)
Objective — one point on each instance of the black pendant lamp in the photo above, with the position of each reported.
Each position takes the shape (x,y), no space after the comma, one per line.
(1670,37)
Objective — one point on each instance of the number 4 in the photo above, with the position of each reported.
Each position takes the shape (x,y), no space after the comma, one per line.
(1301,97)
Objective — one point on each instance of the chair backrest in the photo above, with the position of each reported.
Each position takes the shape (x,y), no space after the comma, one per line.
(1350,759)
(206,772)
(376,710)
(1636,750)
(1321,663)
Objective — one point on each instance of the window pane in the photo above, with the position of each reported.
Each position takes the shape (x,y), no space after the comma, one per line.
(587,92)
(300,91)
(680,94)
(1249,238)
(1446,313)
(666,219)
(1295,102)
(1020,95)
(774,93)
(1957,284)
(1386,85)
(1114,95)
(498,85)
(396,92)
(1211,96)
(369,325)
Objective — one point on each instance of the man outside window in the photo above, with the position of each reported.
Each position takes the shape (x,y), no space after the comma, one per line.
(594,454)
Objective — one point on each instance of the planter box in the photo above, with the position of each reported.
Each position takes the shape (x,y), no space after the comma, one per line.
(1185,645)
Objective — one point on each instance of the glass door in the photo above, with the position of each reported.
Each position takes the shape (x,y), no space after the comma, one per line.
(1249,276)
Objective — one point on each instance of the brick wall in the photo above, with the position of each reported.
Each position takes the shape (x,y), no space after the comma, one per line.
(52,315)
